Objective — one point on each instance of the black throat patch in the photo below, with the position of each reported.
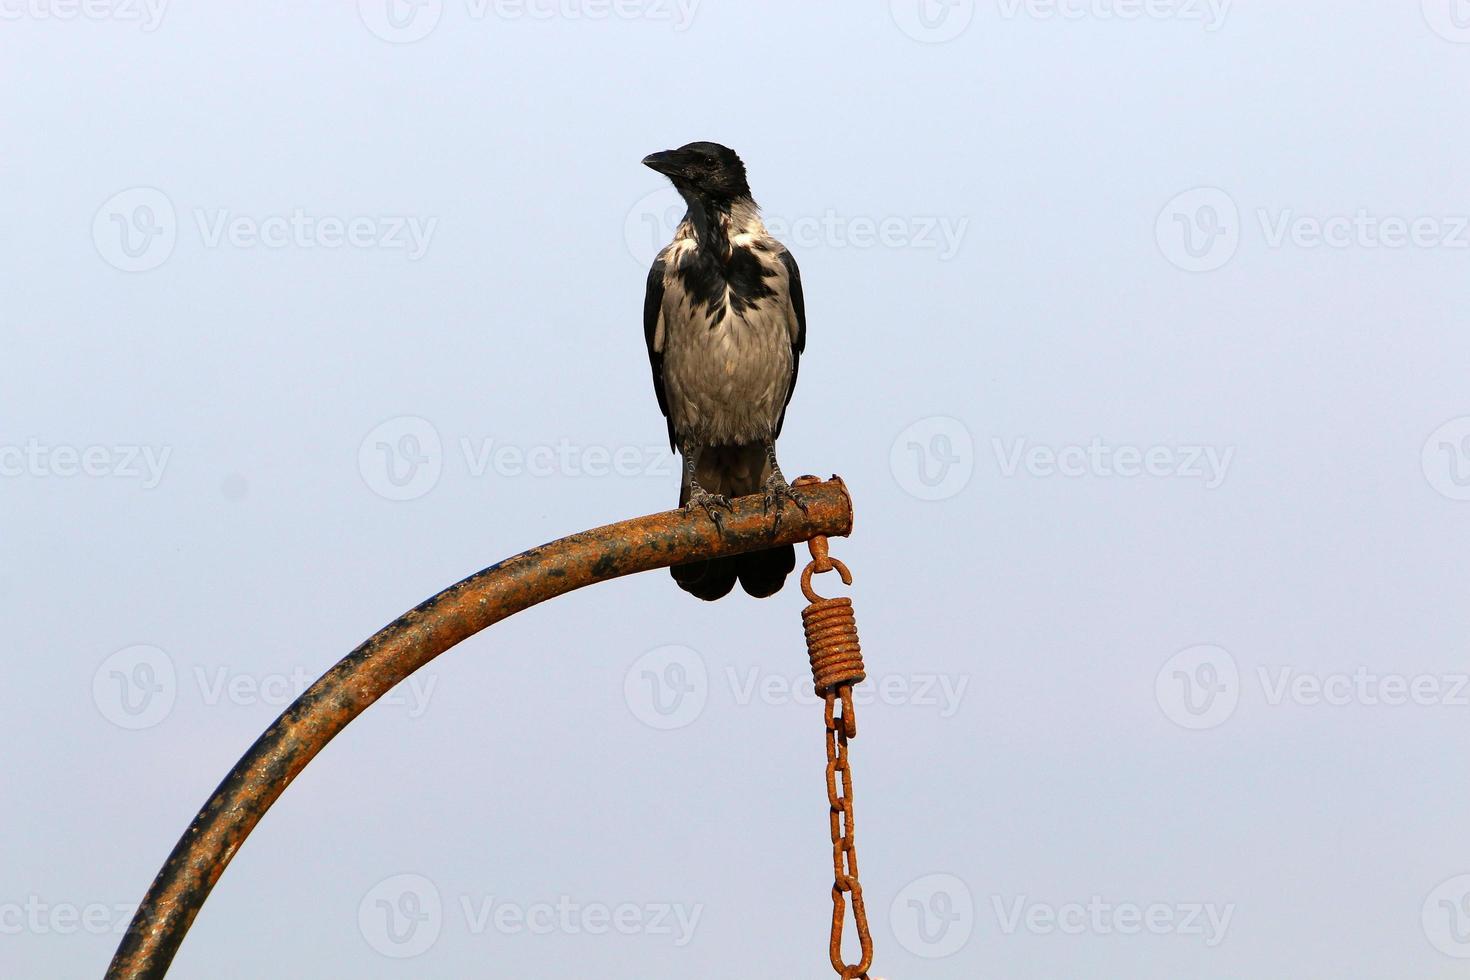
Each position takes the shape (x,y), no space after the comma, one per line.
(716,269)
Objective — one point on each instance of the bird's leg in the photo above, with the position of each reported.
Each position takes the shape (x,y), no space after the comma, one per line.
(698,495)
(778,490)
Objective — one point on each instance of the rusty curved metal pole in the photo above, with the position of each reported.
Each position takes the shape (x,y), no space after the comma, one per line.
(405,645)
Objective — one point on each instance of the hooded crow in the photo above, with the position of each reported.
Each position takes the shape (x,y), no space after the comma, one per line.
(725,325)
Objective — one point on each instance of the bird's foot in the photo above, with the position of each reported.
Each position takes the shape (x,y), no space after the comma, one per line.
(778,491)
(711,504)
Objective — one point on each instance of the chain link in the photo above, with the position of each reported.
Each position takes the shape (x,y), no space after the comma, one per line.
(837,664)
(844,843)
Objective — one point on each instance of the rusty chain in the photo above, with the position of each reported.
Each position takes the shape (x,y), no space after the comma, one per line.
(837,664)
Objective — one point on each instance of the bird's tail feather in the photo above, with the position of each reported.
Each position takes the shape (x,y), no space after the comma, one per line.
(762,573)
(707,580)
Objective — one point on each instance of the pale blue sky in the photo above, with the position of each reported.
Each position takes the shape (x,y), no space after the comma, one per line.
(1138,333)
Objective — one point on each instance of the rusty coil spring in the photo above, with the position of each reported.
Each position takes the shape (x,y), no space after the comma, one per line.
(831,639)
(837,664)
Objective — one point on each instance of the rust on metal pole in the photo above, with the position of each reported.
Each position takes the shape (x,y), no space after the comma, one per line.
(405,645)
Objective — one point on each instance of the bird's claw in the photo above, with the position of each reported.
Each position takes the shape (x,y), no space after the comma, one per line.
(778,491)
(710,503)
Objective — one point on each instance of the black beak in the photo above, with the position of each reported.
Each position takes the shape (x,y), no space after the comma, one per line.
(670,163)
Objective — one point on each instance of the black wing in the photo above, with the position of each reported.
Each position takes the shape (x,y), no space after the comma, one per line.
(653,301)
(798,306)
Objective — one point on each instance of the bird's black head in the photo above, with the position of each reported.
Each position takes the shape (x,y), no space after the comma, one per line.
(707,170)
